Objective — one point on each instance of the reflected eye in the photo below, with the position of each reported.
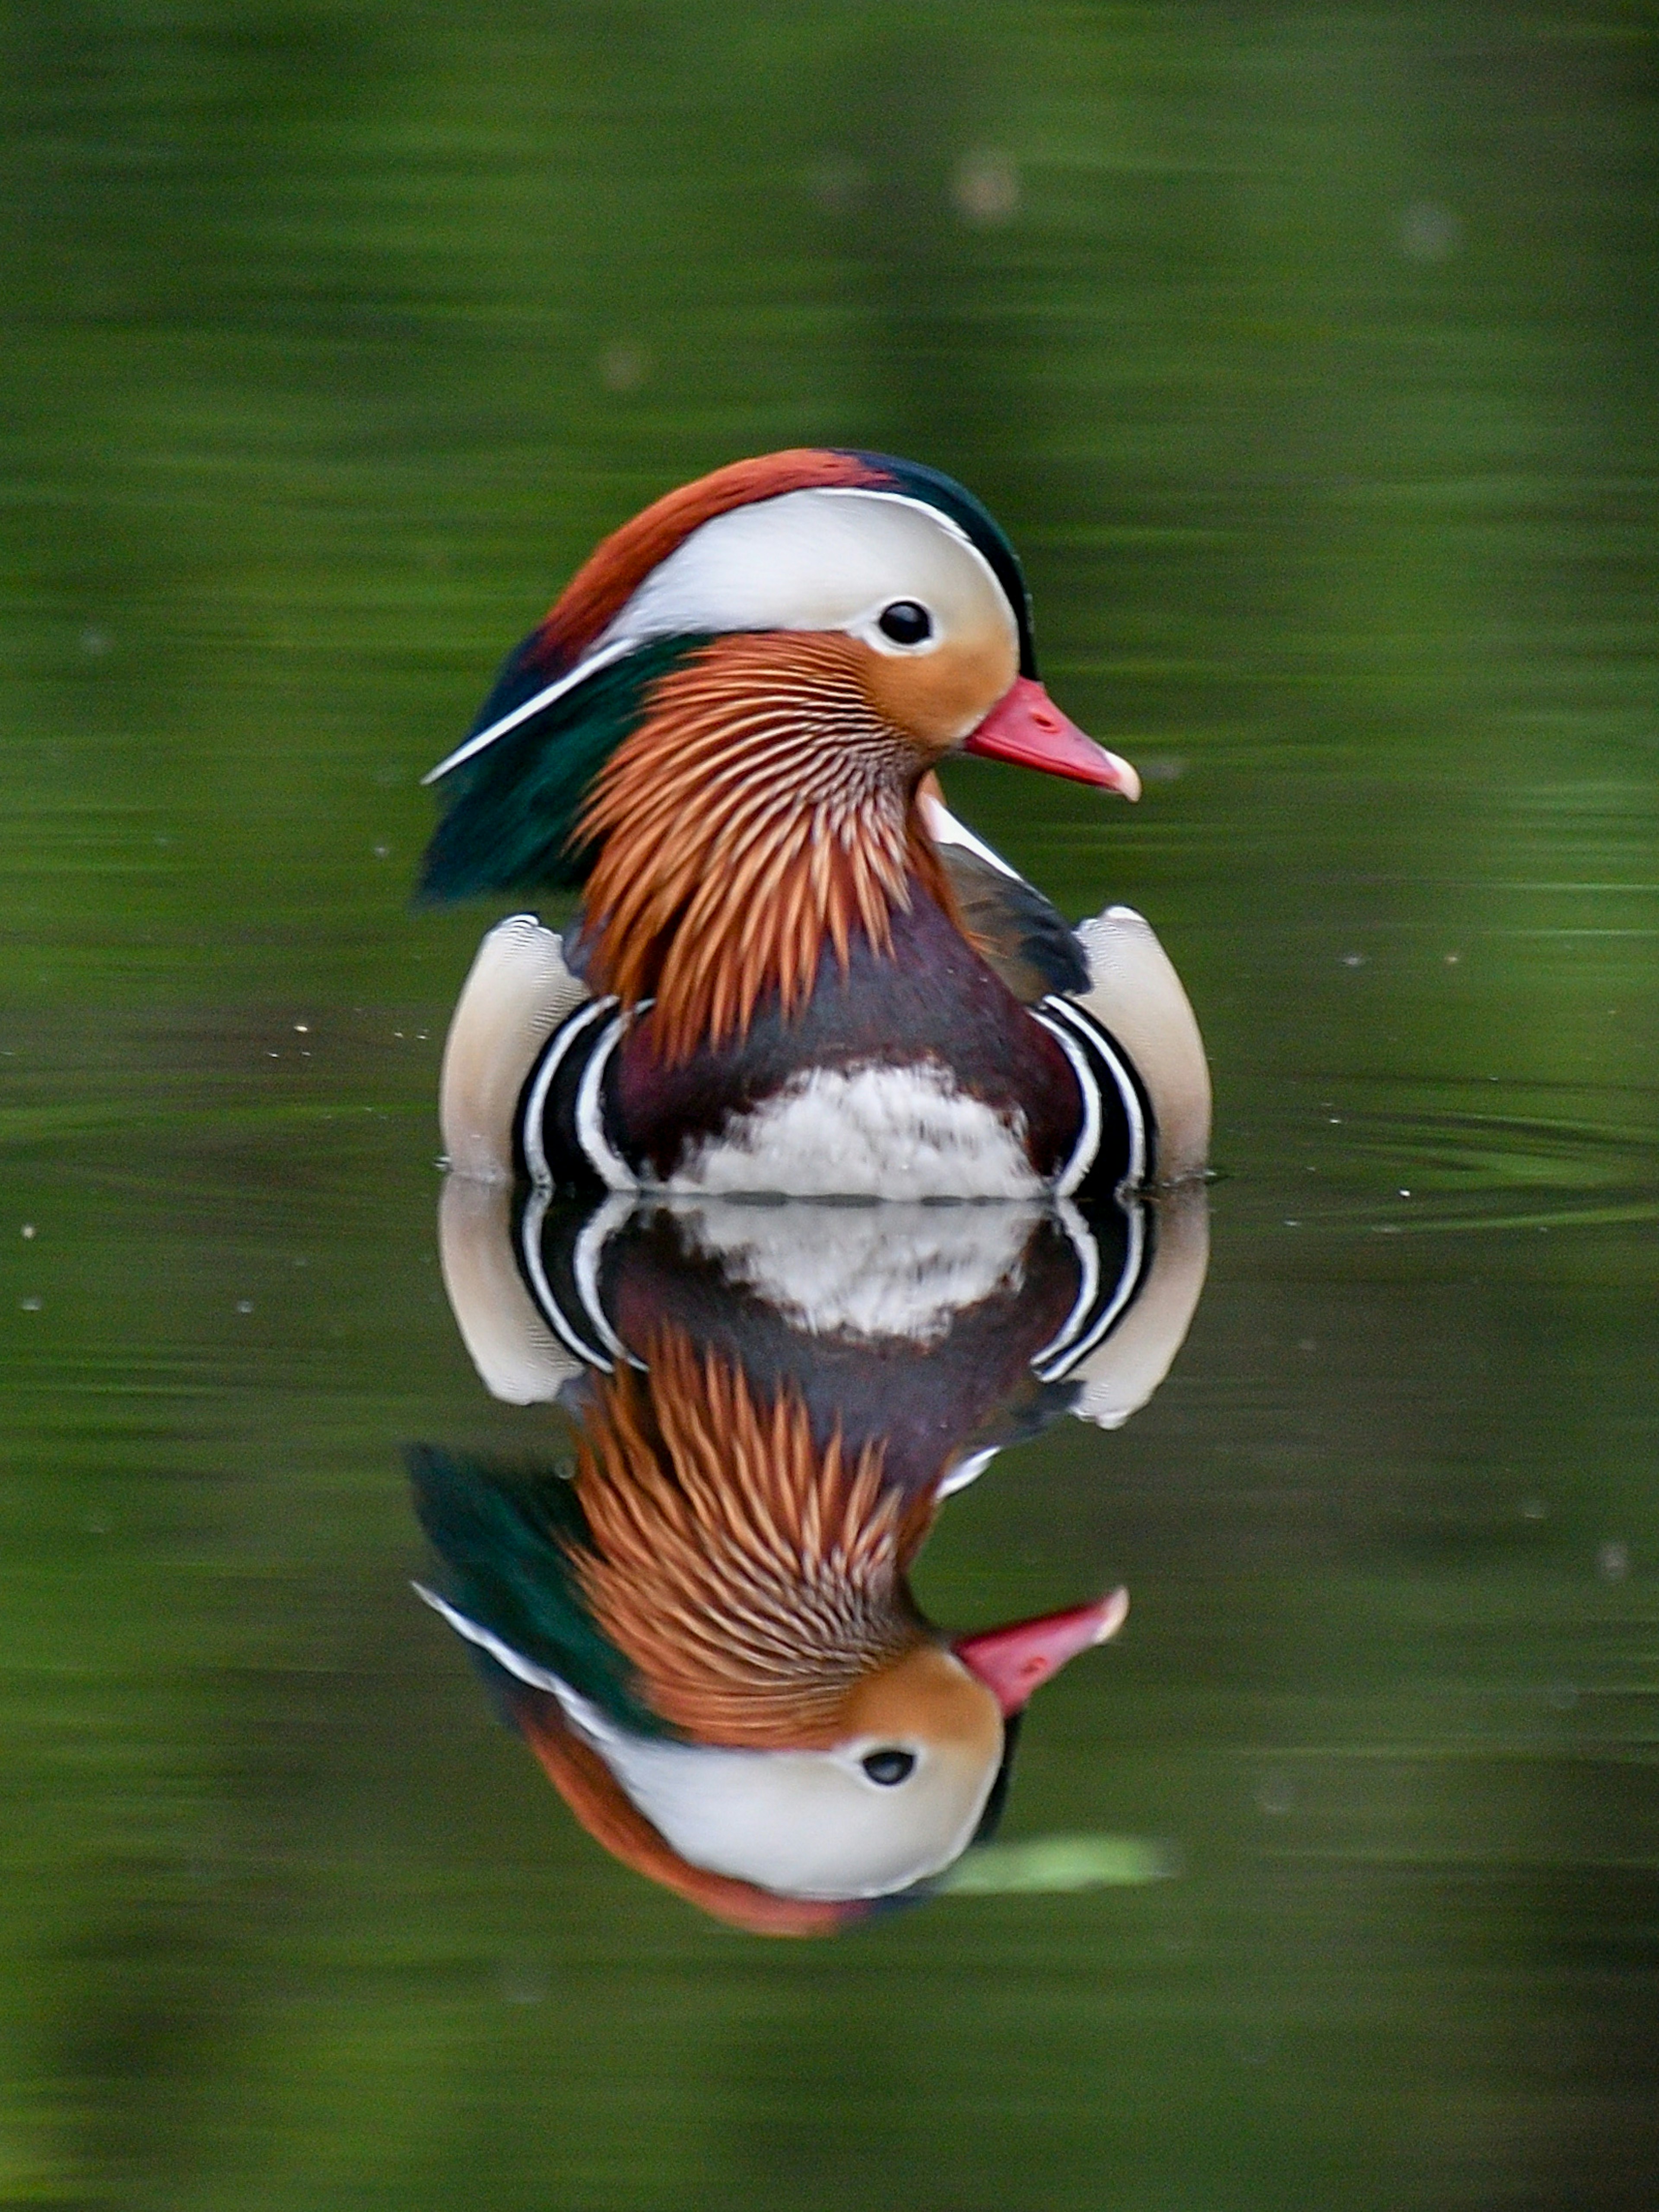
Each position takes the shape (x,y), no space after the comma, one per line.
(905,622)
(888,1767)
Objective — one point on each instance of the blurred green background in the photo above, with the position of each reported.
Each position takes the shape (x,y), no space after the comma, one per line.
(1309,357)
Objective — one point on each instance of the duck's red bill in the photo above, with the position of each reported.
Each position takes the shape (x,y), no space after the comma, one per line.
(1015,1662)
(1026,727)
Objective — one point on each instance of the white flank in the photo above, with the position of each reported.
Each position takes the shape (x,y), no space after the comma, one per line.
(899,1271)
(517,993)
(1136,994)
(1122,1372)
(866,1133)
(517,1356)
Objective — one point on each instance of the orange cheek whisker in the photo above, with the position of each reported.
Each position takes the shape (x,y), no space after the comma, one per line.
(793,902)
(753,882)
(751,1579)
(760,809)
(774,807)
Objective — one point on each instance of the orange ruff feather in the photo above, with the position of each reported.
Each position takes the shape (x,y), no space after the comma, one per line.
(611,575)
(762,806)
(751,1579)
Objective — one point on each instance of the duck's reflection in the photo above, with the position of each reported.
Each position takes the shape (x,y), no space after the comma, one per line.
(703,1625)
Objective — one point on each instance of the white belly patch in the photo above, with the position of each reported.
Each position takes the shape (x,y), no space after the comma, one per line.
(868,1133)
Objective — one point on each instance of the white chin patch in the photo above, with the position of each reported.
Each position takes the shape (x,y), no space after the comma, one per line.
(900,1272)
(866,1133)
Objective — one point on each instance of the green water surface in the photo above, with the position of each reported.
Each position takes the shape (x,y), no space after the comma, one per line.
(1308,356)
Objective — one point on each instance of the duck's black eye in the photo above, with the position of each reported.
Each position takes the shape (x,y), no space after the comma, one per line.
(905,622)
(888,1767)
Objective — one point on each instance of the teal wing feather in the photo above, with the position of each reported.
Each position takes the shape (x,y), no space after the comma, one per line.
(510,1545)
(510,810)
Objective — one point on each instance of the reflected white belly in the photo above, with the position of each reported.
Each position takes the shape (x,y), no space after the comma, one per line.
(868,1133)
(897,1271)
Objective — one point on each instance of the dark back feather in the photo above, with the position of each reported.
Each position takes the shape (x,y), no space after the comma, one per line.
(1028,943)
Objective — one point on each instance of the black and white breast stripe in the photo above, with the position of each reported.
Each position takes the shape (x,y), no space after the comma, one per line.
(563,1131)
(1114,1247)
(1116,1143)
(559,1264)
(1111,1270)
(561,1134)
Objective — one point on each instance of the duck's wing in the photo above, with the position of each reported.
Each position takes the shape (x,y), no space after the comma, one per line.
(1027,941)
(1113,967)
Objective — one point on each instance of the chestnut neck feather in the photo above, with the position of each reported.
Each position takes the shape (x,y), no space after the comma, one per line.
(751,1579)
(761,807)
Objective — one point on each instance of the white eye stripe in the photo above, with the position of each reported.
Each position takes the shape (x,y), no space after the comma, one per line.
(828,559)
(774,564)
(935,514)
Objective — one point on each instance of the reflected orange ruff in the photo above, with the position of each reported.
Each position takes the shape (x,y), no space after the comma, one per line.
(761,807)
(751,1579)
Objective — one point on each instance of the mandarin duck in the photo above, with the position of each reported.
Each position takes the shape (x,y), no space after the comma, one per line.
(792,969)
(706,1633)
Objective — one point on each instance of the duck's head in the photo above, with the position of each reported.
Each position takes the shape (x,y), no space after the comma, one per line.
(709,1641)
(802,1839)
(763,664)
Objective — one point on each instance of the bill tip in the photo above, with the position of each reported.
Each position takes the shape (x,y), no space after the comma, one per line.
(1115,1612)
